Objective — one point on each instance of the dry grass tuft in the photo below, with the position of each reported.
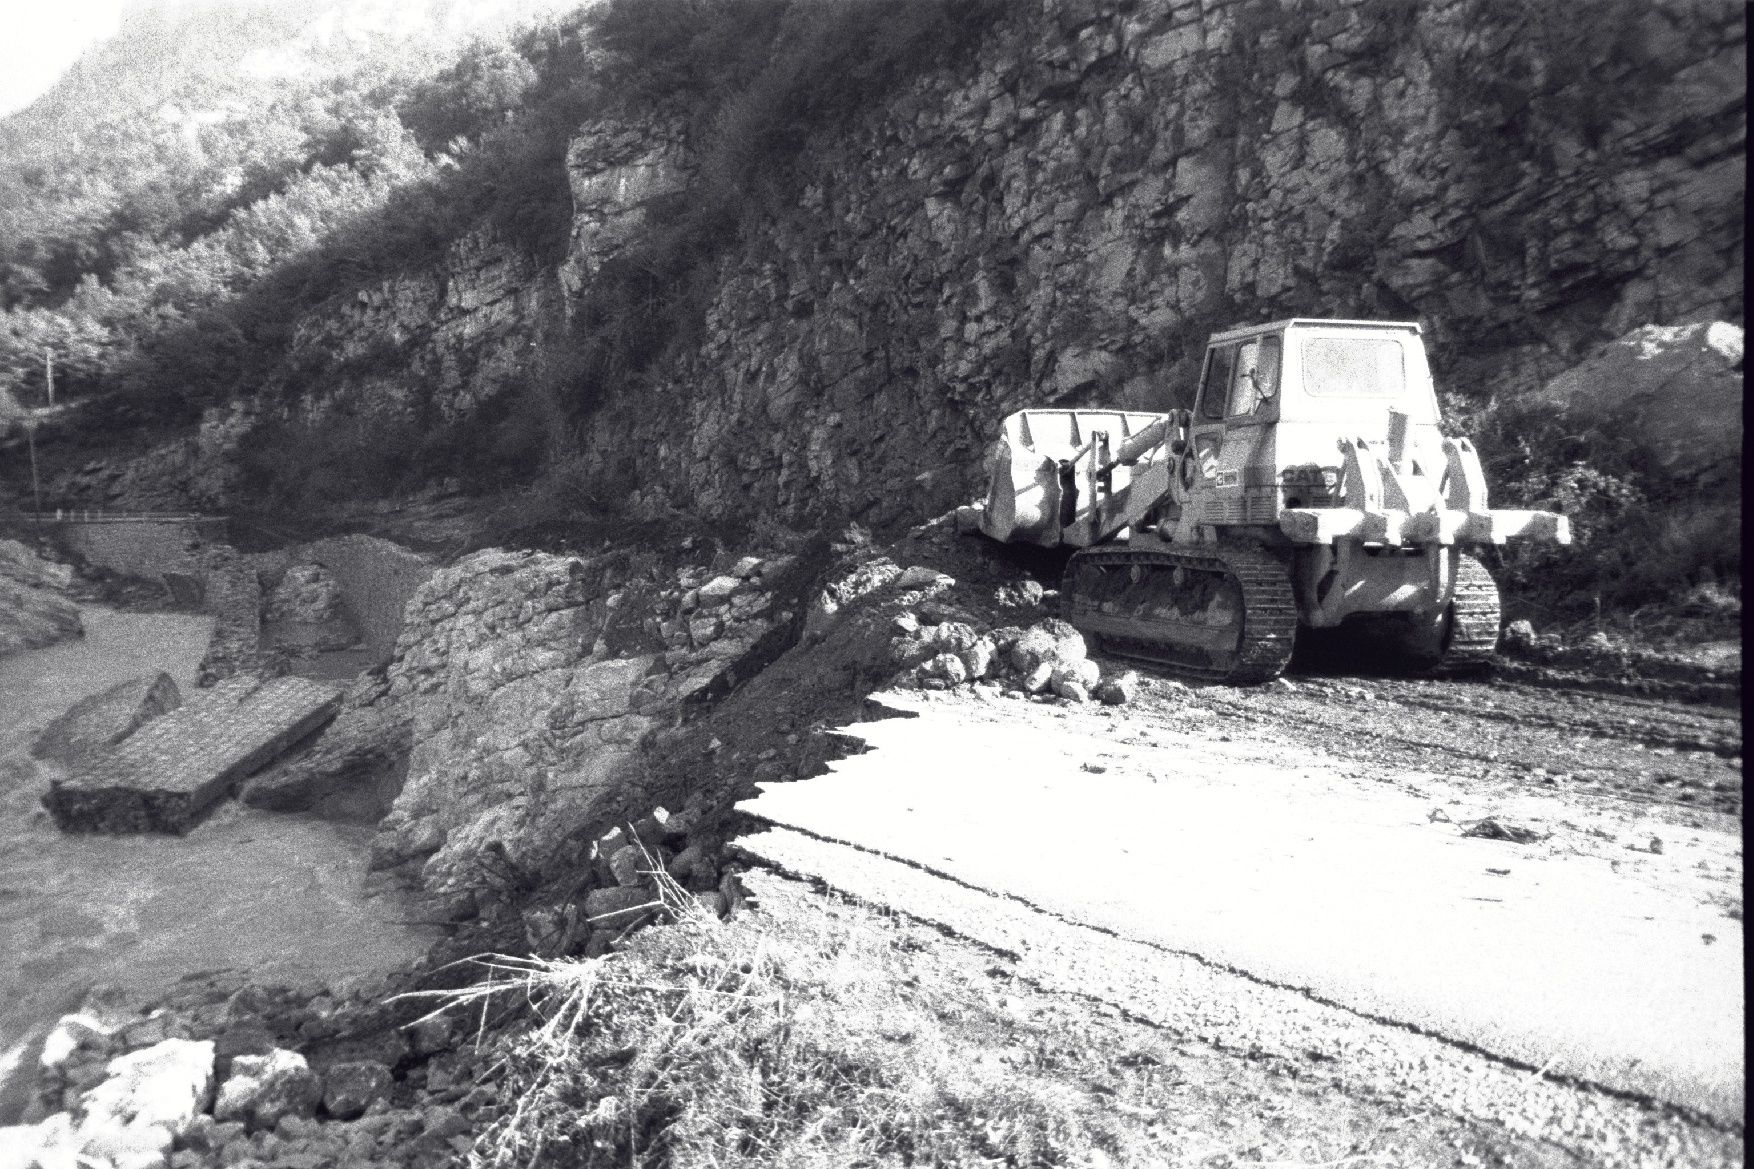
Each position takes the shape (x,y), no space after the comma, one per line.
(739,1043)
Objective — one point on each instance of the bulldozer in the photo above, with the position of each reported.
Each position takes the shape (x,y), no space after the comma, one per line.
(1309,487)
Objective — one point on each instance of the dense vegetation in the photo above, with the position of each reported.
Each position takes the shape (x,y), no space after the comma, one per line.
(163,246)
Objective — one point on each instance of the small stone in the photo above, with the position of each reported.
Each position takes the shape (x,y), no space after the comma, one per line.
(444,1122)
(1036,679)
(350,1088)
(248,1038)
(691,864)
(980,658)
(1072,691)
(921,577)
(263,1088)
(619,907)
(629,866)
(1119,690)
(949,667)
(432,1035)
(747,567)
(716,591)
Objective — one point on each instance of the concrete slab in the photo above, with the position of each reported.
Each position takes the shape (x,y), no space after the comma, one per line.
(168,774)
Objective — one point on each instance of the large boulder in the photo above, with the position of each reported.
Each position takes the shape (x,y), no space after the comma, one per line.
(1676,388)
(105,719)
(151,1097)
(34,608)
(306,594)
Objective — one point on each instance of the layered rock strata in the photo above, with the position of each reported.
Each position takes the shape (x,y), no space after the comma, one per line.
(528,686)
(1065,218)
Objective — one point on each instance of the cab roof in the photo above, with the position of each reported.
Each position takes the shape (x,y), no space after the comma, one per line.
(1241,332)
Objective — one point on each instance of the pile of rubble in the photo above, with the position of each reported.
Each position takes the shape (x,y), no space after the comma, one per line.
(247,1076)
(942,644)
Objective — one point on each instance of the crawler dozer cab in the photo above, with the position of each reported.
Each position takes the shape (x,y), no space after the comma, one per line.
(1308,486)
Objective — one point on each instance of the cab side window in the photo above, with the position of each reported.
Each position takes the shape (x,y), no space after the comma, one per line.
(1216,388)
(1257,375)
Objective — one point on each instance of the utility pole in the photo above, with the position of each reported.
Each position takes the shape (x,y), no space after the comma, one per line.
(30,429)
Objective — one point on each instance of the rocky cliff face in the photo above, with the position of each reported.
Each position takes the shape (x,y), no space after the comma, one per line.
(530,684)
(1066,216)
(412,352)
(1065,220)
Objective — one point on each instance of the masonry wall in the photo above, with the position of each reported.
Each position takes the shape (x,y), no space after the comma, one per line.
(142,548)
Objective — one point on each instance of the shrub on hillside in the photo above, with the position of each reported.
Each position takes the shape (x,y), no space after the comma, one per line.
(1643,535)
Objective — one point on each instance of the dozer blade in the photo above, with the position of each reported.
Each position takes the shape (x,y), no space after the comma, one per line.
(1222,614)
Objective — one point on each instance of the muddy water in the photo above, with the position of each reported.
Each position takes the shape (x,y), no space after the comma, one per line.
(277,895)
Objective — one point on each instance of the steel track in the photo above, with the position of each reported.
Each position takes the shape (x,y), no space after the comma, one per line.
(1267,630)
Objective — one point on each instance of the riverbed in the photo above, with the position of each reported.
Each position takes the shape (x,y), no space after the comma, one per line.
(281,896)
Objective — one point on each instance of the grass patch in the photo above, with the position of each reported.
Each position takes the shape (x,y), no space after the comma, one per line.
(746,1043)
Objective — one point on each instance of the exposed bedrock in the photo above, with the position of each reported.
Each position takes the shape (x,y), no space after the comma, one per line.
(529,686)
(1066,217)
(34,607)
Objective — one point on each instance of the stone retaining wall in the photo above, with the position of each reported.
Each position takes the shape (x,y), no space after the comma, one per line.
(377,579)
(140,546)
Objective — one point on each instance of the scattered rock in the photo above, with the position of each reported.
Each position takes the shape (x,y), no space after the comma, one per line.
(716,591)
(1491,829)
(1073,680)
(307,594)
(263,1088)
(431,1035)
(350,1088)
(617,908)
(921,577)
(1118,690)
(1052,642)
(948,667)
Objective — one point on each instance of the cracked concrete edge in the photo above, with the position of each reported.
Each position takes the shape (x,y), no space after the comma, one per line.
(1233,1012)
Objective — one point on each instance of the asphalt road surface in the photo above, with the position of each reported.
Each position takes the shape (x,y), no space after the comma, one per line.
(1314,836)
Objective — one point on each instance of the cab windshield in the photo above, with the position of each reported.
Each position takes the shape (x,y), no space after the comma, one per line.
(1353,367)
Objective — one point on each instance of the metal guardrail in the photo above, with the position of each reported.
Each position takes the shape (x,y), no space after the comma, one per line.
(99,516)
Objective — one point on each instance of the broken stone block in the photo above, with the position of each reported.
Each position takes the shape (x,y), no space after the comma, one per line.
(166,776)
(716,591)
(921,577)
(105,719)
